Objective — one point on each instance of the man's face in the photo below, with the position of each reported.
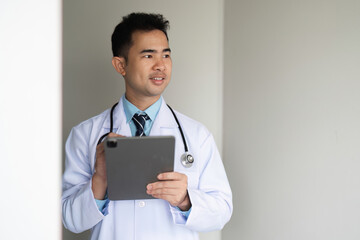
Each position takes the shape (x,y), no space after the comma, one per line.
(147,70)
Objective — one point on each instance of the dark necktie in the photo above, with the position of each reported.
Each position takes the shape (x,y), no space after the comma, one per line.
(139,121)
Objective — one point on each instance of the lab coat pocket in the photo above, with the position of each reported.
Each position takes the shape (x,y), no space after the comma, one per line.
(193,180)
(191,172)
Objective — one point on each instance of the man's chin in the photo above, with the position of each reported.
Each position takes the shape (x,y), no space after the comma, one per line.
(157,91)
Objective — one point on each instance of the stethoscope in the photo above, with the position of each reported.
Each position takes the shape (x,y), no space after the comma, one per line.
(187,159)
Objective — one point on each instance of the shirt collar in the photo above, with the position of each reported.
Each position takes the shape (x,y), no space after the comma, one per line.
(130,109)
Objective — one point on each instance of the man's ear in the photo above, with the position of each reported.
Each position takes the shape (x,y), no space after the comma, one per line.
(119,63)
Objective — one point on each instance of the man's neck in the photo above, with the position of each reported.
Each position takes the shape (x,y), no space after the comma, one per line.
(142,103)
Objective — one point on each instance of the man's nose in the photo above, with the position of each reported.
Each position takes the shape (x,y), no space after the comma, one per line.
(159,64)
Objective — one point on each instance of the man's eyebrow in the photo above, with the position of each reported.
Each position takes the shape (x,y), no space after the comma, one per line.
(148,51)
(154,51)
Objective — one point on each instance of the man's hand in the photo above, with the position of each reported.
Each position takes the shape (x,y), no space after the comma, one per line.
(99,179)
(172,187)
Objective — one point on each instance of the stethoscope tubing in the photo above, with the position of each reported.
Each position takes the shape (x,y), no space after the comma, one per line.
(111,123)
(172,111)
(180,129)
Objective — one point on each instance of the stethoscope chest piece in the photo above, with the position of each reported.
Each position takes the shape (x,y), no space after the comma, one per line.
(187,160)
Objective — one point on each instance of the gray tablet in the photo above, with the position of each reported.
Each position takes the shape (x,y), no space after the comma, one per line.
(134,162)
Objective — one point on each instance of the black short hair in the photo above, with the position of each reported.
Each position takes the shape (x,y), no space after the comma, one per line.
(121,38)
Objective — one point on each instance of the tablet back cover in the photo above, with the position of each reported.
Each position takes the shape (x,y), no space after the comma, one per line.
(134,162)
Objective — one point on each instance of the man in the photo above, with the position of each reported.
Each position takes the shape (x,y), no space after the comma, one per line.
(188,200)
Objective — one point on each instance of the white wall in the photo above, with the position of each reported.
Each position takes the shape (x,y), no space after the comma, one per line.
(292,119)
(30,119)
(91,84)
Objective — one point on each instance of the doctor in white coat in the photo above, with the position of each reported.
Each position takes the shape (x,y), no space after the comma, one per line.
(188,200)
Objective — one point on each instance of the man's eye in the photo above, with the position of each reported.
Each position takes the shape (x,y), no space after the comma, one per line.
(148,56)
(166,56)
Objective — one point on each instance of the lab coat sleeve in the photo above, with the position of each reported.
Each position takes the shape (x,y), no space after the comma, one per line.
(79,209)
(212,200)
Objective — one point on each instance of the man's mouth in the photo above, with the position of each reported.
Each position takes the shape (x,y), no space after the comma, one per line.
(157,78)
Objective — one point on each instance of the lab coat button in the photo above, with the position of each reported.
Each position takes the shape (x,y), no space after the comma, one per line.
(142,204)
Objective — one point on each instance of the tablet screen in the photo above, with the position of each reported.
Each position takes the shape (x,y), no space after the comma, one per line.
(134,162)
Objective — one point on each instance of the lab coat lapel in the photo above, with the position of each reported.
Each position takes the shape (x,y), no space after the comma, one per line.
(164,123)
(119,118)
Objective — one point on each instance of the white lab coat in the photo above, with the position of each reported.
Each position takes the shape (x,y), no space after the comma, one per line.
(208,187)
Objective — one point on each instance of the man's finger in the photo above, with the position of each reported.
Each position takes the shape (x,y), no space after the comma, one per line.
(114,135)
(163,191)
(172,176)
(165,184)
(100,147)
